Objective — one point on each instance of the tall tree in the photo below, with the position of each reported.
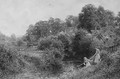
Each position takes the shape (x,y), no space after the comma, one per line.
(88,18)
(56,25)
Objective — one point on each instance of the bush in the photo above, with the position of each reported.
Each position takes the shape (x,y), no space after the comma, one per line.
(109,66)
(56,48)
(82,45)
(53,62)
(66,40)
(50,43)
(50,62)
(9,61)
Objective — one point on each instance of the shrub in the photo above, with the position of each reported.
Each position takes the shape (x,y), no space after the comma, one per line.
(50,63)
(82,45)
(66,40)
(9,60)
(109,66)
(54,61)
(55,48)
(49,43)
(20,42)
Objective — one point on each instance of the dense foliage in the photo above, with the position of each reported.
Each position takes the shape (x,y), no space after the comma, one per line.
(93,18)
(82,45)
(59,41)
(9,60)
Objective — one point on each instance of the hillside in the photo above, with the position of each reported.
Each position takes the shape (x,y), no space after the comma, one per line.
(56,49)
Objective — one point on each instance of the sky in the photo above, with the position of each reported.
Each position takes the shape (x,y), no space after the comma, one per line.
(17,15)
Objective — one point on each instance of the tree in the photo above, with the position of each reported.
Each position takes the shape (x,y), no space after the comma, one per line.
(102,16)
(56,25)
(88,18)
(106,17)
(92,18)
(41,29)
(110,18)
(72,21)
(118,19)
(50,42)
(13,37)
(82,45)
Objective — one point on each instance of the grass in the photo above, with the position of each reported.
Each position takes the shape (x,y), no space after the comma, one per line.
(108,68)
